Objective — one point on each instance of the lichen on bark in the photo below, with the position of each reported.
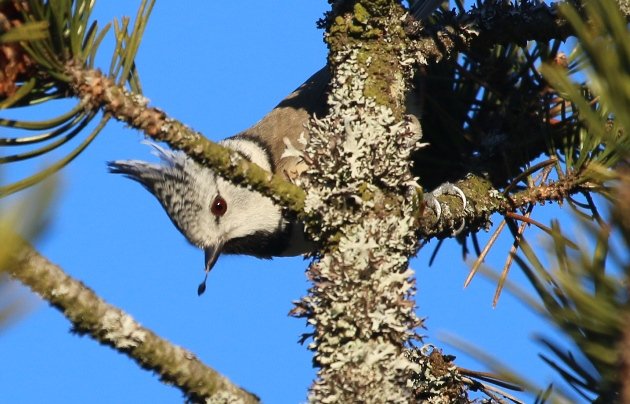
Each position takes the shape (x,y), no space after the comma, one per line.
(360,303)
(361,199)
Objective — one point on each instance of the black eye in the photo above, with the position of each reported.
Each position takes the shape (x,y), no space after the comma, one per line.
(219,206)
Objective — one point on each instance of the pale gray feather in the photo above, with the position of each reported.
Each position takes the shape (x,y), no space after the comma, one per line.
(252,224)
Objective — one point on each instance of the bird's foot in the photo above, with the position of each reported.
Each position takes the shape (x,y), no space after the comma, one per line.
(293,162)
(432,202)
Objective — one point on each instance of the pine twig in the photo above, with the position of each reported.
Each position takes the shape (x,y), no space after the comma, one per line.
(100,92)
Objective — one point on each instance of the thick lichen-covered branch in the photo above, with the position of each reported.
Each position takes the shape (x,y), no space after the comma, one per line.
(361,204)
(112,327)
(99,92)
(359,303)
(488,24)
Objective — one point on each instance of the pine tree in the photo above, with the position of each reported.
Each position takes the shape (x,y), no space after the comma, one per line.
(485,97)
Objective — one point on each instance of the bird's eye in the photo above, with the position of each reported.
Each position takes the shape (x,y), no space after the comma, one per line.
(219,206)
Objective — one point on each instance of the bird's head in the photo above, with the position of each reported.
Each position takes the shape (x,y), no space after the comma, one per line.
(212,213)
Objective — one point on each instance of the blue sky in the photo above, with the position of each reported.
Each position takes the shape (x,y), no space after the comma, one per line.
(219,67)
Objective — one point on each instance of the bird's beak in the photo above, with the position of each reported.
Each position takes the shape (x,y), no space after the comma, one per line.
(212,254)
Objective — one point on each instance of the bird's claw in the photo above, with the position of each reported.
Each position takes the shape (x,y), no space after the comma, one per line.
(293,169)
(445,189)
(431,201)
(293,162)
(449,189)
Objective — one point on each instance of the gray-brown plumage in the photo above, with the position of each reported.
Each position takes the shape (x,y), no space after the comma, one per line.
(288,119)
(218,216)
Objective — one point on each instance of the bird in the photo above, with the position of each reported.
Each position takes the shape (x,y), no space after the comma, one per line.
(223,218)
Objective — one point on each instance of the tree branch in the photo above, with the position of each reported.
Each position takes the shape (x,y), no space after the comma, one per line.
(484,200)
(112,327)
(99,92)
(360,207)
(488,24)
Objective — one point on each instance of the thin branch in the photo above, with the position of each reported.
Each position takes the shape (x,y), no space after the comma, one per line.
(529,220)
(484,200)
(99,92)
(112,327)
(530,170)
